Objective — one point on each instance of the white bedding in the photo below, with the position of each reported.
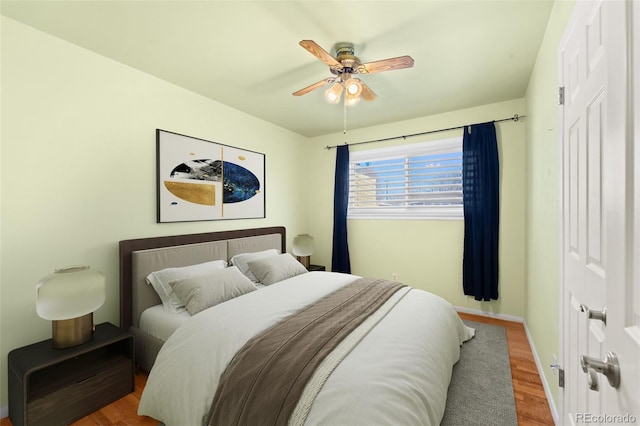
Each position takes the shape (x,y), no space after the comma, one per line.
(160,323)
(398,374)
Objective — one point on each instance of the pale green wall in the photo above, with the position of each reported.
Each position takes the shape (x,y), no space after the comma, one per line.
(79,164)
(542,212)
(428,253)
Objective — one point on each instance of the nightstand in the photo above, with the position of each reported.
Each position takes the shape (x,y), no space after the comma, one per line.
(316,268)
(58,386)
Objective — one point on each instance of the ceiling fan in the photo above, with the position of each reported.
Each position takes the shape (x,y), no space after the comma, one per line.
(343,66)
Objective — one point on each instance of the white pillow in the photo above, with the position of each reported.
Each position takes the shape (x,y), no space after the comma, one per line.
(160,281)
(204,291)
(272,269)
(242,261)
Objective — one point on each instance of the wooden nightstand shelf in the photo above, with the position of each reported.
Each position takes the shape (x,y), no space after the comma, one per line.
(316,268)
(58,386)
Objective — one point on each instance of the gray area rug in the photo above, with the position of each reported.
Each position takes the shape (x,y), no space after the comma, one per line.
(481,389)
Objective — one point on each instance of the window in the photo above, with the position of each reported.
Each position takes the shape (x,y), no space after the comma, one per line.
(418,181)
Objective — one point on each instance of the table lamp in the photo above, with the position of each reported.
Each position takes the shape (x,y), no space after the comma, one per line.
(303,249)
(68,297)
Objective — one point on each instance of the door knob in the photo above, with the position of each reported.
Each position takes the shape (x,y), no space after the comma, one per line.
(608,366)
(597,315)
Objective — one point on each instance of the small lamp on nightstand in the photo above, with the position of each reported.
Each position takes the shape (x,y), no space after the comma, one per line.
(303,249)
(68,297)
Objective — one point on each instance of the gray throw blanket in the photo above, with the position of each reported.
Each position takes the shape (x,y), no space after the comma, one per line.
(263,382)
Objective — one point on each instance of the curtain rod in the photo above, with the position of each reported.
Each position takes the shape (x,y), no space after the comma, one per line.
(515,118)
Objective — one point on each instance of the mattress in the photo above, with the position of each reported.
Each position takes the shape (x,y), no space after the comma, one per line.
(161,324)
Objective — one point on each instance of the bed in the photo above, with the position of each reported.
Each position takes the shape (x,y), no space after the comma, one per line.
(392,367)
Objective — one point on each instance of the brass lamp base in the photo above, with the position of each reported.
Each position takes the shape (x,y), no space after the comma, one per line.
(72,332)
(305,260)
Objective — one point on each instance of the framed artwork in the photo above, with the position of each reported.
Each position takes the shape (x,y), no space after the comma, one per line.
(204,180)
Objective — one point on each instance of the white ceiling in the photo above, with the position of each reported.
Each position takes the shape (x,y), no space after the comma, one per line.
(245,54)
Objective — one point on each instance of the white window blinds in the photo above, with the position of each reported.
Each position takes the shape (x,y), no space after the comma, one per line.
(421,180)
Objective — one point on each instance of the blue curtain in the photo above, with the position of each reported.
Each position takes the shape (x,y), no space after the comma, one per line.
(481,199)
(340,257)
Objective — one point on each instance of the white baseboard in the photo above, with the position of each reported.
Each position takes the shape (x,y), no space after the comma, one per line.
(4,412)
(543,378)
(480,313)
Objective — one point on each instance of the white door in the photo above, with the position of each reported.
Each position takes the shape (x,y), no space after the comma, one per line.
(599,217)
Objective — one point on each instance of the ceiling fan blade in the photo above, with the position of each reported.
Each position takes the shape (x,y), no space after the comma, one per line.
(314,86)
(320,53)
(386,65)
(367,94)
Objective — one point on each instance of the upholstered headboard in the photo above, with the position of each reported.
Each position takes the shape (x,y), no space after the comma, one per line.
(142,256)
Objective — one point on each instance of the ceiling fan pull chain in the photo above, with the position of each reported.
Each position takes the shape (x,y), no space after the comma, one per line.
(344,109)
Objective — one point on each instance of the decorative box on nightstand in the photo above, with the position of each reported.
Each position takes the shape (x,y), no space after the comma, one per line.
(58,386)
(316,268)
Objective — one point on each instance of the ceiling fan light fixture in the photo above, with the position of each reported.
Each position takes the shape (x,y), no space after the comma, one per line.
(354,87)
(350,99)
(333,93)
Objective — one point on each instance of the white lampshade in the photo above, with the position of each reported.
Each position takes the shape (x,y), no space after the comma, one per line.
(353,86)
(302,245)
(351,99)
(333,93)
(70,293)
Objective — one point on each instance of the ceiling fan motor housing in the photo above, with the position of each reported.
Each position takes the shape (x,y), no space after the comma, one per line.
(349,62)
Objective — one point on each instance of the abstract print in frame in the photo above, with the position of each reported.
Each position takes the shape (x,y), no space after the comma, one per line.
(204,180)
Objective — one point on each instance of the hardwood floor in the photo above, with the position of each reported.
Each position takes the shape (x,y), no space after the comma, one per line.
(531,403)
